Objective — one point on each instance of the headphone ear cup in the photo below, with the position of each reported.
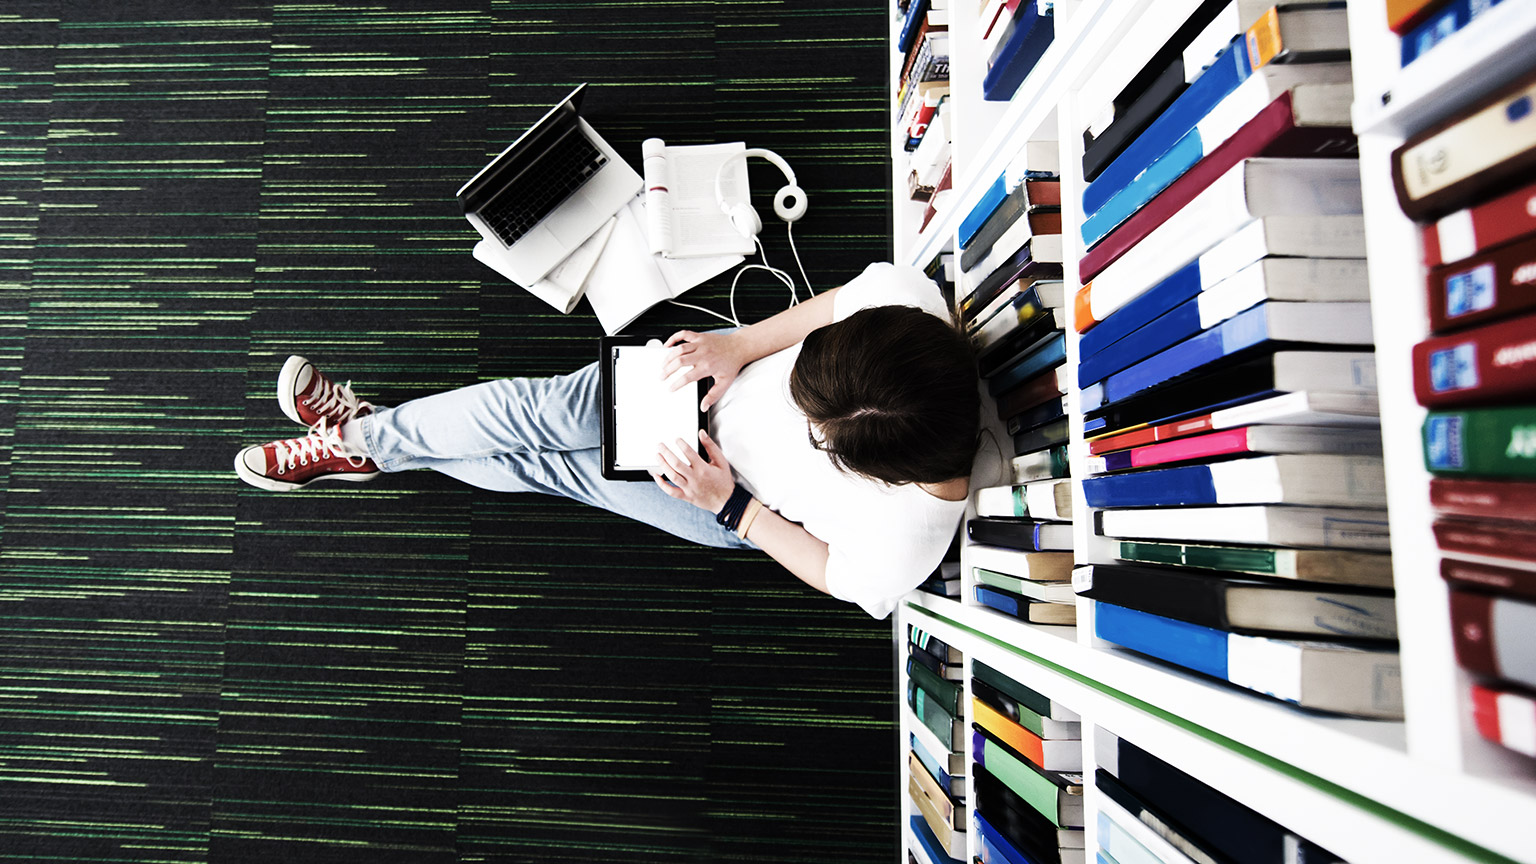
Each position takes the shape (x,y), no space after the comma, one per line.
(789,203)
(745,220)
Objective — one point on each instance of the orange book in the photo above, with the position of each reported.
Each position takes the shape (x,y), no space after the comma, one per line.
(1404,15)
(1082,305)
(1025,742)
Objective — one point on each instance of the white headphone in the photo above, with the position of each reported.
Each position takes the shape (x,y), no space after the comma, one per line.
(789,202)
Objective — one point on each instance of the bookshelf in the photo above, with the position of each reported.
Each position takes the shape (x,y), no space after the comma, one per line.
(1428,788)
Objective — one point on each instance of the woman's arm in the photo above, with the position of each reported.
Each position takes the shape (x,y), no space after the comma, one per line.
(721,355)
(708,485)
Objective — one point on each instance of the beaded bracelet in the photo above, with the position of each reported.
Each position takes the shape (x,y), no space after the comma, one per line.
(735,506)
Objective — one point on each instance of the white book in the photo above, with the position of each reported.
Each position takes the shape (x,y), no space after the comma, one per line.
(1154,837)
(1034,566)
(1046,592)
(1044,499)
(1045,248)
(1255,524)
(933,151)
(1124,848)
(1261,188)
(993,323)
(1325,675)
(1285,279)
(683,215)
(1307,408)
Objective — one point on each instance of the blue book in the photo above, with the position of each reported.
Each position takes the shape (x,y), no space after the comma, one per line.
(1177,324)
(930,843)
(1213,85)
(996,847)
(990,200)
(1202,649)
(1046,354)
(1016,57)
(944,778)
(1441,26)
(1183,284)
(915,15)
(1158,176)
(1169,487)
(1267,324)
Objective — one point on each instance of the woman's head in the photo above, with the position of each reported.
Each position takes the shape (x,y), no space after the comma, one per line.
(892,393)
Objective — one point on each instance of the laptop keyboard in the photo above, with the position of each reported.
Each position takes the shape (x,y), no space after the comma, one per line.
(563,169)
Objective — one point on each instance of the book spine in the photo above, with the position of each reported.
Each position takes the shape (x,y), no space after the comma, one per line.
(1489,363)
(1489,499)
(1482,226)
(1441,25)
(1490,539)
(1491,285)
(1491,442)
(1041,437)
(1487,577)
(947,694)
(1026,743)
(1192,646)
(1046,356)
(991,199)
(1448,166)
(1505,717)
(1486,632)
(1017,56)
(1044,387)
(1028,783)
(1051,464)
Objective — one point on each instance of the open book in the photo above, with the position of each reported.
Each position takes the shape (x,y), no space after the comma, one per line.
(629,279)
(685,219)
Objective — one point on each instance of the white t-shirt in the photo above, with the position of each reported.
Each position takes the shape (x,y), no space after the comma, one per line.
(883,540)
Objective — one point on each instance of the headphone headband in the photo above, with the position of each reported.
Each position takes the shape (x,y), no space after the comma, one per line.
(788,203)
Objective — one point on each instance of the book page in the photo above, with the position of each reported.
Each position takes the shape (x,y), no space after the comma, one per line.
(699,228)
(625,281)
(646,413)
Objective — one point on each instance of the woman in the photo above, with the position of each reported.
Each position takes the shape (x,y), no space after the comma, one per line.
(840,438)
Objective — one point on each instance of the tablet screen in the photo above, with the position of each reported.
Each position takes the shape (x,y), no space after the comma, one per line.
(646,412)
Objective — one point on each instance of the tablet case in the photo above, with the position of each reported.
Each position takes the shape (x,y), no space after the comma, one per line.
(606,344)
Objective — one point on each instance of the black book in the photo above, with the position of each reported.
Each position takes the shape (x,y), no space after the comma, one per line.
(1227,825)
(1243,604)
(1022,534)
(1041,437)
(1015,207)
(1031,418)
(1024,695)
(1246,381)
(1009,349)
(1132,98)
(1169,829)
(1021,824)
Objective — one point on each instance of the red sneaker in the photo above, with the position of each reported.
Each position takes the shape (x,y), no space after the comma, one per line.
(283,466)
(308,397)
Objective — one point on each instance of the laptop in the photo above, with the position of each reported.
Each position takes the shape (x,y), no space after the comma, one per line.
(548,192)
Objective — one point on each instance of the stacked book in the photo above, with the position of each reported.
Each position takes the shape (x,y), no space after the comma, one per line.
(1149,811)
(1423,24)
(1014,36)
(924,77)
(1014,312)
(1472,181)
(1227,375)
(1027,773)
(937,784)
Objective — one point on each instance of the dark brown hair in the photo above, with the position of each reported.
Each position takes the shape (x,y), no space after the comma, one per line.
(892,390)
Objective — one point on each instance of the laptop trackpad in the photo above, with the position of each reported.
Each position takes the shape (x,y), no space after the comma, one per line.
(574,221)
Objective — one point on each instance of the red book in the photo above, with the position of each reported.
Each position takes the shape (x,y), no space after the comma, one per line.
(1150,435)
(1486,577)
(1482,226)
(1505,717)
(1496,283)
(1512,540)
(946,184)
(1490,636)
(1484,499)
(1271,132)
(1047,385)
(1487,364)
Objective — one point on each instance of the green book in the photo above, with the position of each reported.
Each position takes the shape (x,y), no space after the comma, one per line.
(1058,797)
(1026,697)
(1338,566)
(1482,442)
(1054,592)
(933,716)
(943,691)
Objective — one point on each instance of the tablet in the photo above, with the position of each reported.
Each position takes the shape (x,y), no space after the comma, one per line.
(639,411)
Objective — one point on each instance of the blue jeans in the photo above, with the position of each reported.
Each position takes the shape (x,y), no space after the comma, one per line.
(529,435)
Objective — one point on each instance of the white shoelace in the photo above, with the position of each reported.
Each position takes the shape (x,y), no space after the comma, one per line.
(322,442)
(331,397)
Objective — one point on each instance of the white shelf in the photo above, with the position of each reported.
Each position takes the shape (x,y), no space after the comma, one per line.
(1426,789)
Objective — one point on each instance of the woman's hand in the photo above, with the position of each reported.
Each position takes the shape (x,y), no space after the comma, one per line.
(712,355)
(706,485)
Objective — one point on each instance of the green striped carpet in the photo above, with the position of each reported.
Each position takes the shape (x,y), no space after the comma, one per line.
(410,670)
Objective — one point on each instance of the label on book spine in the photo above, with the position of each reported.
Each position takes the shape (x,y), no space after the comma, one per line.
(1453,368)
(1444,445)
